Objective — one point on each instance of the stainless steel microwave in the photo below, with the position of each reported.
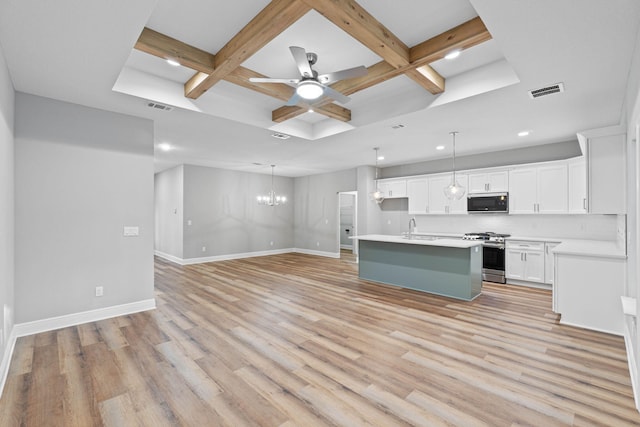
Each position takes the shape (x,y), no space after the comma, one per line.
(488,203)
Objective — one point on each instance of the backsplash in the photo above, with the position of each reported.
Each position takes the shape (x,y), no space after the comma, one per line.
(591,227)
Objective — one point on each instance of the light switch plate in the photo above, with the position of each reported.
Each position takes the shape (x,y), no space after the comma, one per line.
(131,231)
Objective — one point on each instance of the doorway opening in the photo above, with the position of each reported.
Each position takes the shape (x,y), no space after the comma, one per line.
(347,225)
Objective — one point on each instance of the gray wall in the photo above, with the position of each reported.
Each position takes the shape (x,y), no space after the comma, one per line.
(225,217)
(169,192)
(538,153)
(80,175)
(7,98)
(316,209)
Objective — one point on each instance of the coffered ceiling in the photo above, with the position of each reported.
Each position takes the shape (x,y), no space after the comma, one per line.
(109,57)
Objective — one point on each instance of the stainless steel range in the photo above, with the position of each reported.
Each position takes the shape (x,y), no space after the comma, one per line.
(492,255)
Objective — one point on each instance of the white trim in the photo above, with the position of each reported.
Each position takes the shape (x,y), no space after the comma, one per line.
(242,255)
(169,257)
(52,323)
(346,246)
(44,325)
(317,253)
(578,325)
(6,359)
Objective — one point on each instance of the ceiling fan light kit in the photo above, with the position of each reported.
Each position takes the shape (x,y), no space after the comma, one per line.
(311,86)
(309,90)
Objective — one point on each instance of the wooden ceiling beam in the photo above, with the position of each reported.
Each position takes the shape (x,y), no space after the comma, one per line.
(277,16)
(428,78)
(464,36)
(328,109)
(162,46)
(362,26)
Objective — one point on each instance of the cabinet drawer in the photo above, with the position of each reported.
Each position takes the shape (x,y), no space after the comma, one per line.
(527,246)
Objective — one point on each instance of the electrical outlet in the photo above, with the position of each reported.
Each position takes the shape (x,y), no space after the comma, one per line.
(271,243)
(99,291)
(204,249)
(317,243)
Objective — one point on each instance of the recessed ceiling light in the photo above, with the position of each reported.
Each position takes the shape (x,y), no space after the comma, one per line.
(173,62)
(440,147)
(165,146)
(380,157)
(524,133)
(453,54)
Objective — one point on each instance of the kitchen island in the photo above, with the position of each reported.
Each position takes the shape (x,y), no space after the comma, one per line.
(448,267)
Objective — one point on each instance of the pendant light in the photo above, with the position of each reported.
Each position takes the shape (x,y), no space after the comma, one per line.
(454,190)
(377,195)
(271,199)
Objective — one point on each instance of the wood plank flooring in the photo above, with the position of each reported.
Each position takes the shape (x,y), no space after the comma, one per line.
(297,340)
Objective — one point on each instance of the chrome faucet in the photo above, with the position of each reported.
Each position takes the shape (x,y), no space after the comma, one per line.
(412,228)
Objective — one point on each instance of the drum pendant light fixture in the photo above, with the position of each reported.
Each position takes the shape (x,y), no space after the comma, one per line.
(454,190)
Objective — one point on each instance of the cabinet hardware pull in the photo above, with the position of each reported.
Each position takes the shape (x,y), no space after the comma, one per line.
(584,203)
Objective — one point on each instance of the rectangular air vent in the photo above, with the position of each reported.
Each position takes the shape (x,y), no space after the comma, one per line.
(547,90)
(157,106)
(398,126)
(281,135)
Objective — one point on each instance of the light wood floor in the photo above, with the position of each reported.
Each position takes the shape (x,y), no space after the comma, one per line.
(297,340)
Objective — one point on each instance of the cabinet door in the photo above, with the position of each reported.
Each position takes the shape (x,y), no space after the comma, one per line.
(552,189)
(534,266)
(549,263)
(514,264)
(522,190)
(398,188)
(438,202)
(498,181)
(607,174)
(577,175)
(478,182)
(418,194)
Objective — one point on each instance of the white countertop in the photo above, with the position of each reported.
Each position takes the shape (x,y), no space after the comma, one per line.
(595,248)
(449,243)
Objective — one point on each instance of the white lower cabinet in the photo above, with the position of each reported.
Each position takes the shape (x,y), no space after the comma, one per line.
(524,261)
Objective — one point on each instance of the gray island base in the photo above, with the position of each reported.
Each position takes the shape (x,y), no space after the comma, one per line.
(447,267)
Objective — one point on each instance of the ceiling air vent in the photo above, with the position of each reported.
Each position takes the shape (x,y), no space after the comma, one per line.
(157,106)
(280,135)
(398,126)
(547,90)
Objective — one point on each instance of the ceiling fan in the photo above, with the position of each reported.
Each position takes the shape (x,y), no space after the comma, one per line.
(311,86)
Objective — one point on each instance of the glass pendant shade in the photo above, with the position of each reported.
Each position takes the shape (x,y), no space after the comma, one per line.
(454,191)
(271,198)
(377,195)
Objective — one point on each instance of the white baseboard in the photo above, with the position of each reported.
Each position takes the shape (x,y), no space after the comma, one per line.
(44,325)
(578,325)
(346,246)
(317,253)
(242,255)
(6,359)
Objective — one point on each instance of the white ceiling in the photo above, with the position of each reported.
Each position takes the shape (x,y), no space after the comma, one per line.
(82,52)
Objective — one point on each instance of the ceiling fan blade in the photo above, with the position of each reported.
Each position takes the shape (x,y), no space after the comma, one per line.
(343,74)
(334,94)
(268,80)
(295,98)
(300,56)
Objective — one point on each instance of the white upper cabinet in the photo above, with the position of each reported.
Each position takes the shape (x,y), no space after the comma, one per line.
(418,194)
(605,151)
(393,188)
(577,174)
(539,189)
(426,195)
(490,181)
